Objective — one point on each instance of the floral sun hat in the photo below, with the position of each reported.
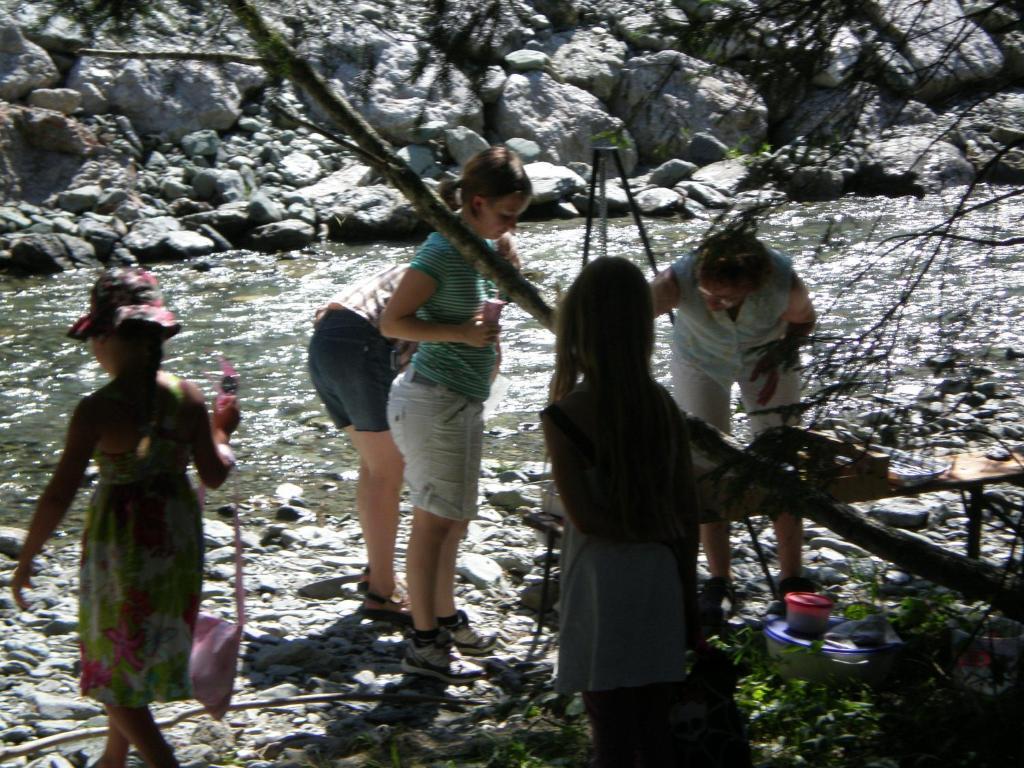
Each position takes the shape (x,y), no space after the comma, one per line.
(125,295)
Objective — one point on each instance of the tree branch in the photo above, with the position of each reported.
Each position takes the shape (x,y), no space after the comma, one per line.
(215,58)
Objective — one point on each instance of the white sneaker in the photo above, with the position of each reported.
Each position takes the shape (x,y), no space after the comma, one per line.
(436,660)
(468,641)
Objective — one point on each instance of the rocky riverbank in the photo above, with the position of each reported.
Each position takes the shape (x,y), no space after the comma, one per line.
(131,159)
(304,636)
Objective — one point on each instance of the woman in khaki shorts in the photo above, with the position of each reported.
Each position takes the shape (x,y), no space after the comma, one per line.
(436,408)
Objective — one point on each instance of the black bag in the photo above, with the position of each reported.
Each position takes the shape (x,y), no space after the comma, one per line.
(708,729)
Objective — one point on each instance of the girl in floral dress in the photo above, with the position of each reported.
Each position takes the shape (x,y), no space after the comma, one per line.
(142,548)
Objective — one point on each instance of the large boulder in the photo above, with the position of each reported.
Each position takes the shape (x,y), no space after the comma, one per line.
(911,165)
(946,49)
(552,183)
(840,60)
(566,121)
(395,104)
(63,100)
(287,235)
(588,58)
(24,66)
(665,98)
(169,99)
(831,115)
(148,239)
(42,153)
(375,212)
(49,254)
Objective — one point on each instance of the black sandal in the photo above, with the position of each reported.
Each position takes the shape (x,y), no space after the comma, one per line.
(399,617)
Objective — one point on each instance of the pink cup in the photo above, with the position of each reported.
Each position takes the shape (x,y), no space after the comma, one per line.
(807,612)
(492,310)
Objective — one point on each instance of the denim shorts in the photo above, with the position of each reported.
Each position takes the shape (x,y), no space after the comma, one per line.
(350,364)
(440,434)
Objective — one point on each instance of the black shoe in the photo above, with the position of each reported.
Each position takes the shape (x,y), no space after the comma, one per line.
(716,600)
(796,584)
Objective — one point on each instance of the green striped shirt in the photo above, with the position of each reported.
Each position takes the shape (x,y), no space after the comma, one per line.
(460,292)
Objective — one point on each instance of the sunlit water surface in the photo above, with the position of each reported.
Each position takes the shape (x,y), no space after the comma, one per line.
(257,310)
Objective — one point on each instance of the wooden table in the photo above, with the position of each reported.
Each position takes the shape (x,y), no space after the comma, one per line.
(969,474)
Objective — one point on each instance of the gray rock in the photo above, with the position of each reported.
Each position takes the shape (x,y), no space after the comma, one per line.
(167,98)
(671,172)
(705,149)
(479,570)
(63,100)
(48,254)
(552,182)
(462,143)
(588,58)
(420,158)
(286,235)
(727,176)
(392,103)
(526,60)
(528,151)
(565,121)
(221,184)
(263,210)
(370,213)
(231,220)
(815,183)
(24,66)
(492,84)
(947,47)
(79,199)
(299,169)
(911,514)
(186,245)
(706,195)
(658,201)
(52,707)
(665,98)
(146,238)
(916,165)
(325,589)
(59,627)
(510,497)
(204,143)
(841,59)
(173,189)
(11,541)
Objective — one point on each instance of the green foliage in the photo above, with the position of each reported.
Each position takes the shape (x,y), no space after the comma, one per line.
(613,137)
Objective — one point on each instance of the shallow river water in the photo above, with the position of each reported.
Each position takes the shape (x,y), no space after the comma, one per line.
(257,310)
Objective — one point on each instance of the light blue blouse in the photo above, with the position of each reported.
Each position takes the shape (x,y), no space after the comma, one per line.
(713,341)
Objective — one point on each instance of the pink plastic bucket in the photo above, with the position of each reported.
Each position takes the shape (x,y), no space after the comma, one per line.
(807,612)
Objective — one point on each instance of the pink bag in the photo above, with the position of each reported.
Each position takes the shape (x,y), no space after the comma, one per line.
(215,645)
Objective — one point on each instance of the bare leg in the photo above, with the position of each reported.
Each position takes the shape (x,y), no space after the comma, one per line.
(429,541)
(714,537)
(377,495)
(789,539)
(115,752)
(444,586)
(138,727)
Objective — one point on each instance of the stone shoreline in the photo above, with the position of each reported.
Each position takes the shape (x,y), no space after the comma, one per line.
(304,636)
